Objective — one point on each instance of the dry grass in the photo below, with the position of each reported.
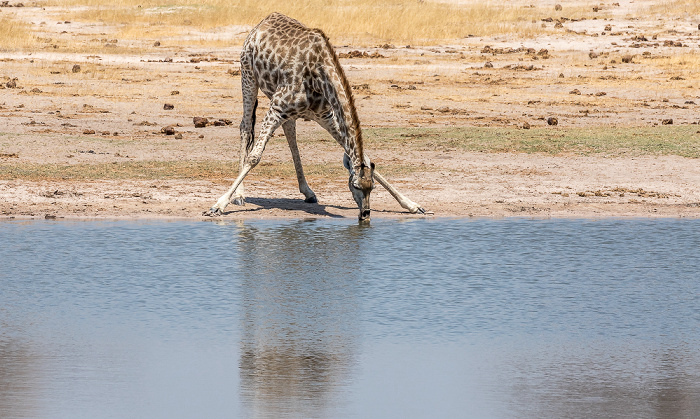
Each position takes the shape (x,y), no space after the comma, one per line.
(15,35)
(676,7)
(357,20)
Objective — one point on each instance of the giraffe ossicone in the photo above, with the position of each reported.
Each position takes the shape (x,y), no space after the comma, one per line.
(298,70)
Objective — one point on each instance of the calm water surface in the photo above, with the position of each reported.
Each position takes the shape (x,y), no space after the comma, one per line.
(329,319)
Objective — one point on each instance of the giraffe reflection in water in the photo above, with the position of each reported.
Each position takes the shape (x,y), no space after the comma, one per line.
(300,306)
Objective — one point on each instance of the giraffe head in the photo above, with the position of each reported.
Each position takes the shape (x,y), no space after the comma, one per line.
(361,183)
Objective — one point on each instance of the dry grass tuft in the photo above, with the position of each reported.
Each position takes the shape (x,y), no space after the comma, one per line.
(359,20)
(15,35)
(676,7)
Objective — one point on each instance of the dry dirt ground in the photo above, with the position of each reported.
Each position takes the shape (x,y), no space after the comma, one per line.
(109,113)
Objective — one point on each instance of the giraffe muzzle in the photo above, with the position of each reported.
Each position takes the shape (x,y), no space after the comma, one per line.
(364,214)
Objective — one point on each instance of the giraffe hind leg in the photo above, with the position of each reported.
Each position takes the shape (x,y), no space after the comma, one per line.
(290,132)
(250,104)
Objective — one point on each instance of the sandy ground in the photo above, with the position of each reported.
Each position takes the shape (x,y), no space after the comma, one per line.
(48,116)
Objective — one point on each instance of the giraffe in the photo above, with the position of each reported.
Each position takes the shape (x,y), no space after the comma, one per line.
(297,69)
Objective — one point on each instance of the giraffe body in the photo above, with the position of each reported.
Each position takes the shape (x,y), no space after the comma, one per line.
(298,70)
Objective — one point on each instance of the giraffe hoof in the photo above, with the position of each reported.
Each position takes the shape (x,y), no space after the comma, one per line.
(239,201)
(421,210)
(311,200)
(212,212)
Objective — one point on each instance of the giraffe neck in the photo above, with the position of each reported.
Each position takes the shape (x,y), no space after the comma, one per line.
(345,111)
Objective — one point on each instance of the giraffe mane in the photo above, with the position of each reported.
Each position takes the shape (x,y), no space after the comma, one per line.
(354,118)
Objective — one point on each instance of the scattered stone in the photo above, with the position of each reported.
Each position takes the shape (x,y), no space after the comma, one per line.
(178,136)
(201,136)
(526,125)
(488,64)
(557,7)
(168,107)
(627,58)
(12,84)
(575,92)
(552,121)
(601,94)
(175,92)
(200,122)
(592,55)
(561,75)
(89,132)
(558,25)
(222,122)
(668,121)
(169,130)
(608,28)
(360,54)
(9,156)
(233,72)
(76,68)
(36,90)
(156,44)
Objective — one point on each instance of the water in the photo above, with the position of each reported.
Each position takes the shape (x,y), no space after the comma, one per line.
(329,319)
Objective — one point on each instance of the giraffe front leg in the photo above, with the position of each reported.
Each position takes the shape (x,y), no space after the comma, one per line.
(406,203)
(271,122)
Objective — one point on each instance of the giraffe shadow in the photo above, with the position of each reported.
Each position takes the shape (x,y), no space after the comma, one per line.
(291,205)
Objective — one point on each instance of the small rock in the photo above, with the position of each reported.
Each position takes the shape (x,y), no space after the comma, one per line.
(575,92)
(526,125)
(76,68)
(156,44)
(558,25)
(488,64)
(12,84)
(201,136)
(36,90)
(557,7)
(592,55)
(175,92)
(200,122)
(168,106)
(561,75)
(178,136)
(89,131)
(169,130)
(552,121)
(234,72)
(601,94)
(627,58)
(667,121)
